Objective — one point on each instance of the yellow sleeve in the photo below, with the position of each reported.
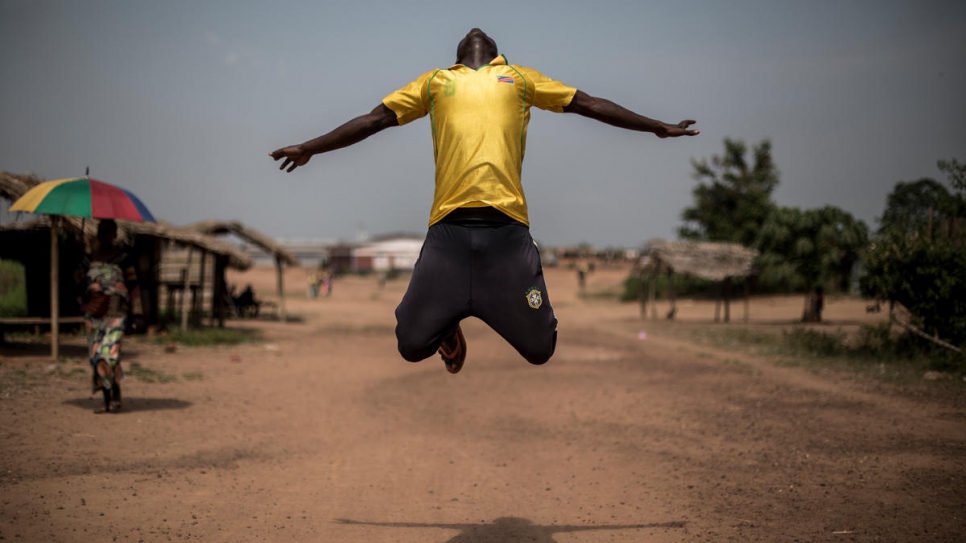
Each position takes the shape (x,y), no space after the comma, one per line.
(412,101)
(548,94)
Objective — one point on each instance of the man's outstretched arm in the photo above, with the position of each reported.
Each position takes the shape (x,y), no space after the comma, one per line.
(345,135)
(608,112)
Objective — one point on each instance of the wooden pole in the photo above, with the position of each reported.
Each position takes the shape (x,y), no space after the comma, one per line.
(184,292)
(717,301)
(642,294)
(727,300)
(670,294)
(747,301)
(220,289)
(281,291)
(201,288)
(54,288)
(652,294)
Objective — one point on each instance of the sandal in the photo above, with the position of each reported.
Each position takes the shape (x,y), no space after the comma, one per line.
(454,357)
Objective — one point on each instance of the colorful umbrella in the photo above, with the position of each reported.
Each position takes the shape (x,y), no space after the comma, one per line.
(79,197)
(83,197)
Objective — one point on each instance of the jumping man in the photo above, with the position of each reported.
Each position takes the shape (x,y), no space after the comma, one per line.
(478,258)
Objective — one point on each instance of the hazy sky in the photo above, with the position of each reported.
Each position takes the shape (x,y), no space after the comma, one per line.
(180,101)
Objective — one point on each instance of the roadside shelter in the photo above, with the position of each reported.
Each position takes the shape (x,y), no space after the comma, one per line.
(30,241)
(281,255)
(722,263)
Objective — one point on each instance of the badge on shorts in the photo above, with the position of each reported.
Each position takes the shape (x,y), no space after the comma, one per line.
(534,298)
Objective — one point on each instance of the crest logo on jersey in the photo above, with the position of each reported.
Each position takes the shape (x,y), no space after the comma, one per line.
(505,79)
(534,298)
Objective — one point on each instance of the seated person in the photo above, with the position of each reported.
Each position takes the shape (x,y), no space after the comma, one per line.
(245,302)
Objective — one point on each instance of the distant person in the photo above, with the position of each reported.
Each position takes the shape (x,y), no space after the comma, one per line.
(109,293)
(325,282)
(478,258)
(246,303)
(583,268)
(315,283)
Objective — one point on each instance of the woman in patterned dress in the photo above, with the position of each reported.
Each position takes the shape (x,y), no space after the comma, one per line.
(110,291)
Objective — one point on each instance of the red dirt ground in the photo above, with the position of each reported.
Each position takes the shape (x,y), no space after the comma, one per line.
(319,431)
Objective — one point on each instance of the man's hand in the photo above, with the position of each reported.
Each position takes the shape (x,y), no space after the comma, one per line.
(680,129)
(349,133)
(605,111)
(294,155)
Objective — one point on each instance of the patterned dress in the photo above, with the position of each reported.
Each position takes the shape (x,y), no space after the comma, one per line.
(110,288)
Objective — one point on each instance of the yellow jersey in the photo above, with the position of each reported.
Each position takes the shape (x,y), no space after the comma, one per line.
(479,121)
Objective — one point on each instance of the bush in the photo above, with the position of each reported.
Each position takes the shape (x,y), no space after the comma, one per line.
(815,343)
(13,289)
(926,276)
(204,337)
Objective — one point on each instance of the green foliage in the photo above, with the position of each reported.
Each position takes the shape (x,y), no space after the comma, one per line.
(801,249)
(919,256)
(912,205)
(13,289)
(956,173)
(148,375)
(871,348)
(733,198)
(926,276)
(204,337)
(814,343)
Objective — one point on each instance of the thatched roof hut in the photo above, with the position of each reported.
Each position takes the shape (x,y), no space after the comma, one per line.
(711,261)
(719,262)
(267,244)
(29,241)
(13,186)
(236,258)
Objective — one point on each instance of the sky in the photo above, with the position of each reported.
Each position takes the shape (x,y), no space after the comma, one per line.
(181,101)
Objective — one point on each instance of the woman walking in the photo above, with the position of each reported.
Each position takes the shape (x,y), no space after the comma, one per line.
(109,292)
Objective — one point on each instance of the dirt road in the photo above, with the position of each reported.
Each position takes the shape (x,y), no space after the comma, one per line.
(319,432)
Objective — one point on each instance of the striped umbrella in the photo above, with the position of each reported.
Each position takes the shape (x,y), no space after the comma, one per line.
(83,197)
(78,197)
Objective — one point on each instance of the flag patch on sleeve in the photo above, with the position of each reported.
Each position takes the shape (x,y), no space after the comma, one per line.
(505,79)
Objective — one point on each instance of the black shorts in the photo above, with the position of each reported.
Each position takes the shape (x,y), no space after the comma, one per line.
(487,268)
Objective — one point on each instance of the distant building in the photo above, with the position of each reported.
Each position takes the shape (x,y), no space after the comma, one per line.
(391,253)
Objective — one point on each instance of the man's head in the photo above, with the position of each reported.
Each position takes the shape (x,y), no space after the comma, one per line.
(476,44)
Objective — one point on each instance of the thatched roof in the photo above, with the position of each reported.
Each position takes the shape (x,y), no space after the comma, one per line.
(13,186)
(237,258)
(253,236)
(712,261)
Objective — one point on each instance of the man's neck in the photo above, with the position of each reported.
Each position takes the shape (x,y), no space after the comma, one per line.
(475,60)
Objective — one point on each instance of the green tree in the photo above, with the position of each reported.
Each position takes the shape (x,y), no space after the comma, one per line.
(911,205)
(926,276)
(733,197)
(956,173)
(802,249)
(919,264)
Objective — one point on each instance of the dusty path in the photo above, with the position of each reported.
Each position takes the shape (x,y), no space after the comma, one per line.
(320,432)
